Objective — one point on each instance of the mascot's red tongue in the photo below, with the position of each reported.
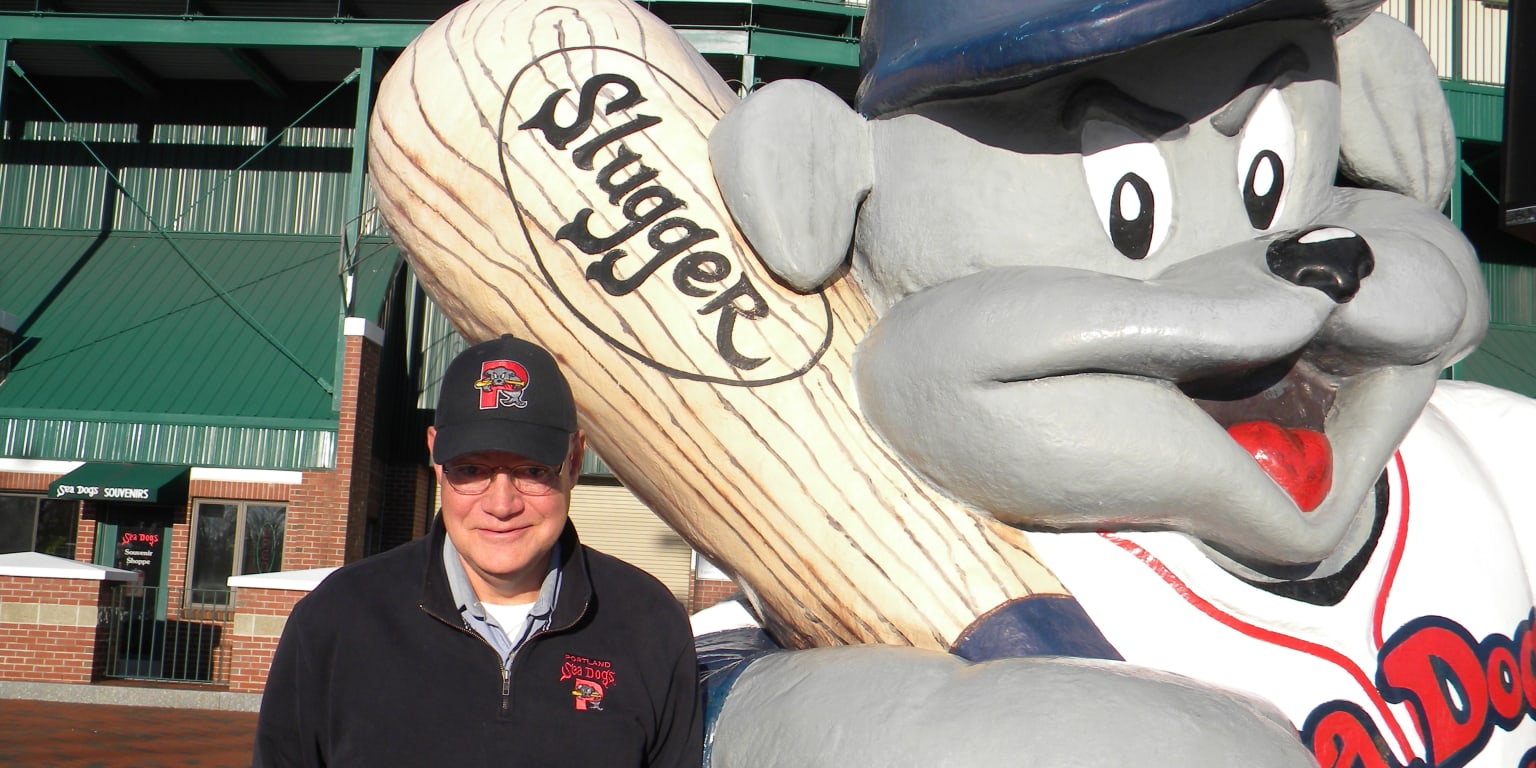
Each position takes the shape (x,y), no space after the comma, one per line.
(1300,460)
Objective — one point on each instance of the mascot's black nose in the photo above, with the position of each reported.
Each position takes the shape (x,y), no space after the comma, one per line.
(1331,259)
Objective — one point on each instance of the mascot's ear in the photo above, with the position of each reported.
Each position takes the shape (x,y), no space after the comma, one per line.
(1397,133)
(793,163)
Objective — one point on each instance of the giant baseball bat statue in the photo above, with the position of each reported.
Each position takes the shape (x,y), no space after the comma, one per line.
(545,166)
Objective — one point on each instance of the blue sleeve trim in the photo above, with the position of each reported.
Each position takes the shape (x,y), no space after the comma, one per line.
(1040,625)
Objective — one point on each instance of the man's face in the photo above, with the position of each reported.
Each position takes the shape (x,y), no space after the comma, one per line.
(504,536)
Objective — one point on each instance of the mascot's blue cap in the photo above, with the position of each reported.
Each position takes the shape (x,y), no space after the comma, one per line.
(914,51)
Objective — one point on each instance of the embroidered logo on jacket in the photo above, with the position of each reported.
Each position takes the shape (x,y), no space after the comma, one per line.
(591,680)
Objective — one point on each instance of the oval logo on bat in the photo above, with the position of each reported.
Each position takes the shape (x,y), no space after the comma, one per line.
(606,160)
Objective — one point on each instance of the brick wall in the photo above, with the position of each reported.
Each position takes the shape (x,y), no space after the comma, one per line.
(707,592)
(354,440)
(328,511)
(224,489)
(260,615)
(26,481)
(85,539)
(315,527)
(48,629)
(404,509)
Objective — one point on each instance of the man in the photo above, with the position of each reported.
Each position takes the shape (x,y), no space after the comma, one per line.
(498,638)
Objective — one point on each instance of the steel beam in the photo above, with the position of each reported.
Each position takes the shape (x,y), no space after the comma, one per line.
(810,6)
(827,51)
(203,30)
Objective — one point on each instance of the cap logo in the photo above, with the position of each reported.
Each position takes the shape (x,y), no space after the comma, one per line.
(502,383)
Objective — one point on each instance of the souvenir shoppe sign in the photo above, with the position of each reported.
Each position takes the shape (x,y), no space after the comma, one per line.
(141,548)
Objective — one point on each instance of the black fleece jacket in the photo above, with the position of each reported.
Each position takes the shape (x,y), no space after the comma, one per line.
(376,668)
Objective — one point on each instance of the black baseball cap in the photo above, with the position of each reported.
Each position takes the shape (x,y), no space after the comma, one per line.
(508,395)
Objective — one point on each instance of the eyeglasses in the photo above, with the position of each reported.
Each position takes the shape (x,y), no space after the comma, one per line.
(528,479)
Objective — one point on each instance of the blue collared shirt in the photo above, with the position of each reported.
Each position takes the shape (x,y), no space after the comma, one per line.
(505,640)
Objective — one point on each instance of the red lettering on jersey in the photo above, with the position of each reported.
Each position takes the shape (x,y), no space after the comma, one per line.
(1457,689)
(1432,665)
(1341,735)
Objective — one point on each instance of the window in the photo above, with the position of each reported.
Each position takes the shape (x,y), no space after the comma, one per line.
(30,523)
(592,465)
(232,538)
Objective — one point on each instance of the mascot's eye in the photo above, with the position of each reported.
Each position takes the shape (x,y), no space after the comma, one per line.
(1129,184)
(1264,155)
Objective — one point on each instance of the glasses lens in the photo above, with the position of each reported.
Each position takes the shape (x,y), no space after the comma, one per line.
(536,479)
(529,479)
(468,478)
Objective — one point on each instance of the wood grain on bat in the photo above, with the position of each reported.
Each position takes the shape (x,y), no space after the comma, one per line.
(546,169)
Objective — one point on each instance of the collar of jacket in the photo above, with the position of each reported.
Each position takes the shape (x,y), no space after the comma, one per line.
(575,582)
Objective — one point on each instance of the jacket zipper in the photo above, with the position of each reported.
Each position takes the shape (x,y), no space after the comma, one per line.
(506,666)
(506,686)
(506,669)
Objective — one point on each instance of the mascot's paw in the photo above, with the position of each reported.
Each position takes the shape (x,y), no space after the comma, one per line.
(723,656)
(888,706)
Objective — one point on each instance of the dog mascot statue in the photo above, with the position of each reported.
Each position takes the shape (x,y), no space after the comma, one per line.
(1129,303)
(1165,286)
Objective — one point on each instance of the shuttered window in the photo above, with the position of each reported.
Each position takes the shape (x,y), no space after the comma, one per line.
(610,519)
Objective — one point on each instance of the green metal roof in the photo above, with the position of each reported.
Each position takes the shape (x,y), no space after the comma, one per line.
(215,350)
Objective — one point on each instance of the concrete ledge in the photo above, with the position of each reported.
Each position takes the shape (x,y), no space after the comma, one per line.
(133,696)
(361,326)
(40,566)
(228,475)
(298,581)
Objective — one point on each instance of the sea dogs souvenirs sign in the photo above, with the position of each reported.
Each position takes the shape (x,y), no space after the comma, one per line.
(546,169)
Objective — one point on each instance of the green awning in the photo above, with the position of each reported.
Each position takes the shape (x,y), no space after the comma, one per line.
(123,353)
(141,483)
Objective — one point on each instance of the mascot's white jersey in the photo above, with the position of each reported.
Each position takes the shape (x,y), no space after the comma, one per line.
(1426,660)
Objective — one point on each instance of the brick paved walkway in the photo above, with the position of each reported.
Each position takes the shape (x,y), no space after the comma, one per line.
(45,734)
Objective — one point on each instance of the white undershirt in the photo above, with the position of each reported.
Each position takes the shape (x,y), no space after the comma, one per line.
(512,618)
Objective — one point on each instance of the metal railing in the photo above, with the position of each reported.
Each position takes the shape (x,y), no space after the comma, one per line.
(150,638)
